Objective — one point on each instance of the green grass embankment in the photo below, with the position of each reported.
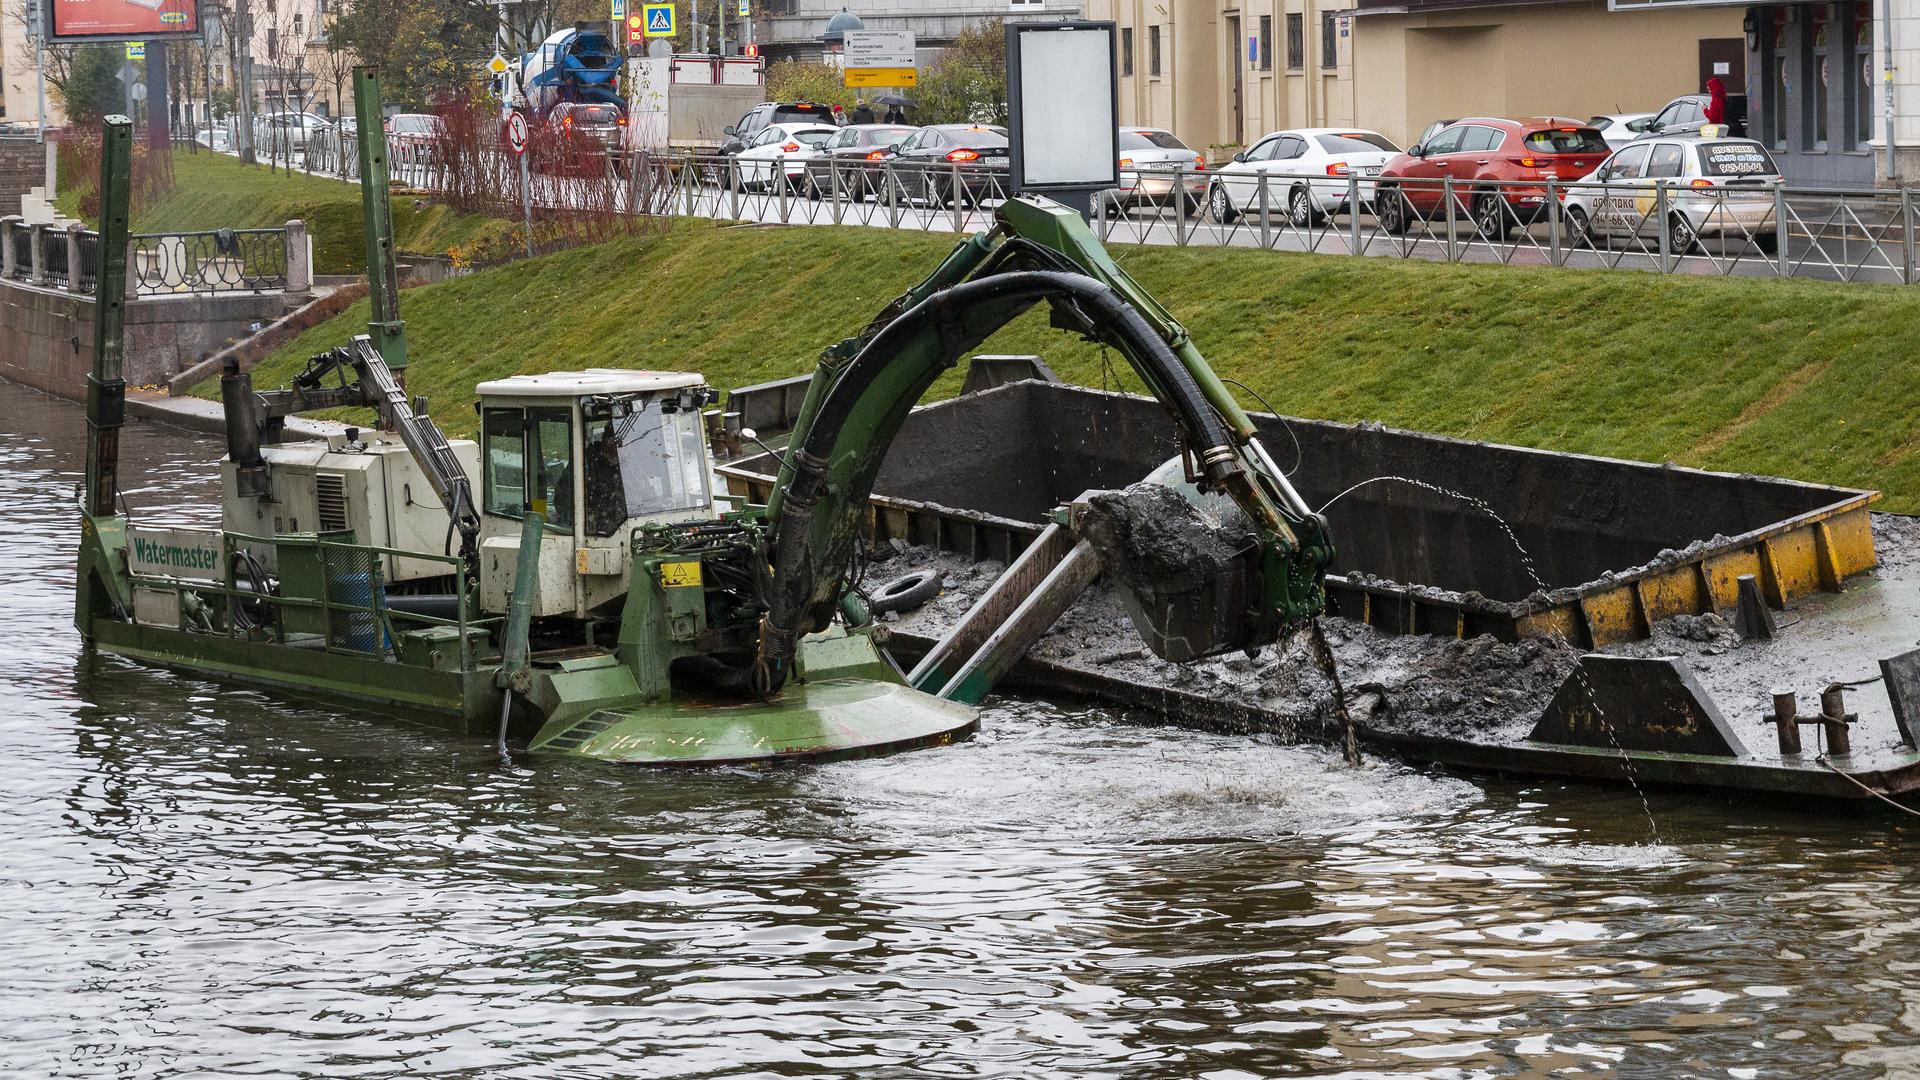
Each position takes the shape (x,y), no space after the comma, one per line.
(1799,379)
(214,191)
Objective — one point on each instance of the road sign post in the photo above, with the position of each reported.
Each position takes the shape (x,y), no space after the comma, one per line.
(517,139)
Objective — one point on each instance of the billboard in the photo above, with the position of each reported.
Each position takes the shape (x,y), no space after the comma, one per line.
(116,20)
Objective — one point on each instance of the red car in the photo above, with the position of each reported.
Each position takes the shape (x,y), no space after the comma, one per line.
(1498,168)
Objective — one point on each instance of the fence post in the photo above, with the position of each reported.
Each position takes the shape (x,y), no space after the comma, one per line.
(1099,215)
(1780,228)
(1553,222)
(777,177)
(893,197)
(1266,215)
(74,232)
(690,173)
(1660,224)
(833,181)
(7,226)
(1446,196)
(959,196)
(1906,230)
(299,258)
(38,268)
(1353,209)
(1180,207)
(733,185)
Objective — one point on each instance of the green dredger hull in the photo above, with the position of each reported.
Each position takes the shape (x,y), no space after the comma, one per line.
(834,715)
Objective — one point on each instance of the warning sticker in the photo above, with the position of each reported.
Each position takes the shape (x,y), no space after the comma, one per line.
(680,575)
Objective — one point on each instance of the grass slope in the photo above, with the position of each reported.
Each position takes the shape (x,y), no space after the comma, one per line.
(214,191)
(1797,379)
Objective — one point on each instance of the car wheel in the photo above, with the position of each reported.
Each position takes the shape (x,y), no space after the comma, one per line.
(1194,205)
(1768,242)
(1681,239)
(1220,206)
(812,186)
(1392,211)
(1579,229)
(1300,209)
(1490,215)
(857,190)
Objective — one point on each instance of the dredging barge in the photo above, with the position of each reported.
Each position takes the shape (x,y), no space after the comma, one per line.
(1614,663)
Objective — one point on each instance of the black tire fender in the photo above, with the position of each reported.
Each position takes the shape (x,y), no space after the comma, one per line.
(906,592)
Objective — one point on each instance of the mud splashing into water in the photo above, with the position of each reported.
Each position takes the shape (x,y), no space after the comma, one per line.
(1526,563)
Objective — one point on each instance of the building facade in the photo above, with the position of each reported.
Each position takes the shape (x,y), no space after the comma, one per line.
(792,29)
(1223,72)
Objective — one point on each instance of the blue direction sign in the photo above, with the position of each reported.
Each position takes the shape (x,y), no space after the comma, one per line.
(659,20)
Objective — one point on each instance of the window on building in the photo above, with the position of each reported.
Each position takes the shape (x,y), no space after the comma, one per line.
(1266,43)
(1329,41)
(1777,83)
(1814,101)
(273,43)
(1859,78)
(1126,50)
(296,24)
(1153,51)
(1296,42)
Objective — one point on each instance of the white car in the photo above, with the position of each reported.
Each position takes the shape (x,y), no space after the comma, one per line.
(1714,187)
(780,152)
(1152,163)
(1306,171)
(295,128)
(1619,129)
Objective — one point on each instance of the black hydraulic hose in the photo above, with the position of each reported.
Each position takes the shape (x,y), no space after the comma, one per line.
(947,312)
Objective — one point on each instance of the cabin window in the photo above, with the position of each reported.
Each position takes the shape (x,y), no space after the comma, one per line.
(508,435)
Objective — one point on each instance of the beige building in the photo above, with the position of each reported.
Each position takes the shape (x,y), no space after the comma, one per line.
(19,82)
(1223,72)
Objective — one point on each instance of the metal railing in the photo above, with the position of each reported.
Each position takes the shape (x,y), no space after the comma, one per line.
(221,260)
(215,261)
(343,609)
(53,256)
(1733,228)
(1736,227)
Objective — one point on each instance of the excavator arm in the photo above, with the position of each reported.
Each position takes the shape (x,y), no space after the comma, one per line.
(865,386)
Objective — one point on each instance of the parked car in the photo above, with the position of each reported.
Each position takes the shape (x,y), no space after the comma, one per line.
(927,163)
(1306,172)
(292,129)
(742,132)
(857,153)
(410,136)
(1153,163)
(1619,129)
(1497,166)
(779,155)
(1715,187)
(1686,114)
(594,126)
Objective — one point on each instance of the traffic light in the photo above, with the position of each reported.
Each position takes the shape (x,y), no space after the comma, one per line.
(750,49)
(636,29)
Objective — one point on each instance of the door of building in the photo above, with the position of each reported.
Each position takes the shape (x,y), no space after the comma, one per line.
(1234,48)
(1726,59)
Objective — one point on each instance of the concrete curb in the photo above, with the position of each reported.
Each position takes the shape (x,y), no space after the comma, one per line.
(252,350)
(206,416)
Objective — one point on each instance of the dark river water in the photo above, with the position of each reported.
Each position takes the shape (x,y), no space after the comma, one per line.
(199,880)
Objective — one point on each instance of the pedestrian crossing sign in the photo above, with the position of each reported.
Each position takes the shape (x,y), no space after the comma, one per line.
(659,20)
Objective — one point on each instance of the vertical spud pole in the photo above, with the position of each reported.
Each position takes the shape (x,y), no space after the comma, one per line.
(106,388)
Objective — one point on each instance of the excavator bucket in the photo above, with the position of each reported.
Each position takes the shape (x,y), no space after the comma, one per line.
(850,703)
(1187,564)
(820,720)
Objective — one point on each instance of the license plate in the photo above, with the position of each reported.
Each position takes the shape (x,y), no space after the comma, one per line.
(1369,170)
